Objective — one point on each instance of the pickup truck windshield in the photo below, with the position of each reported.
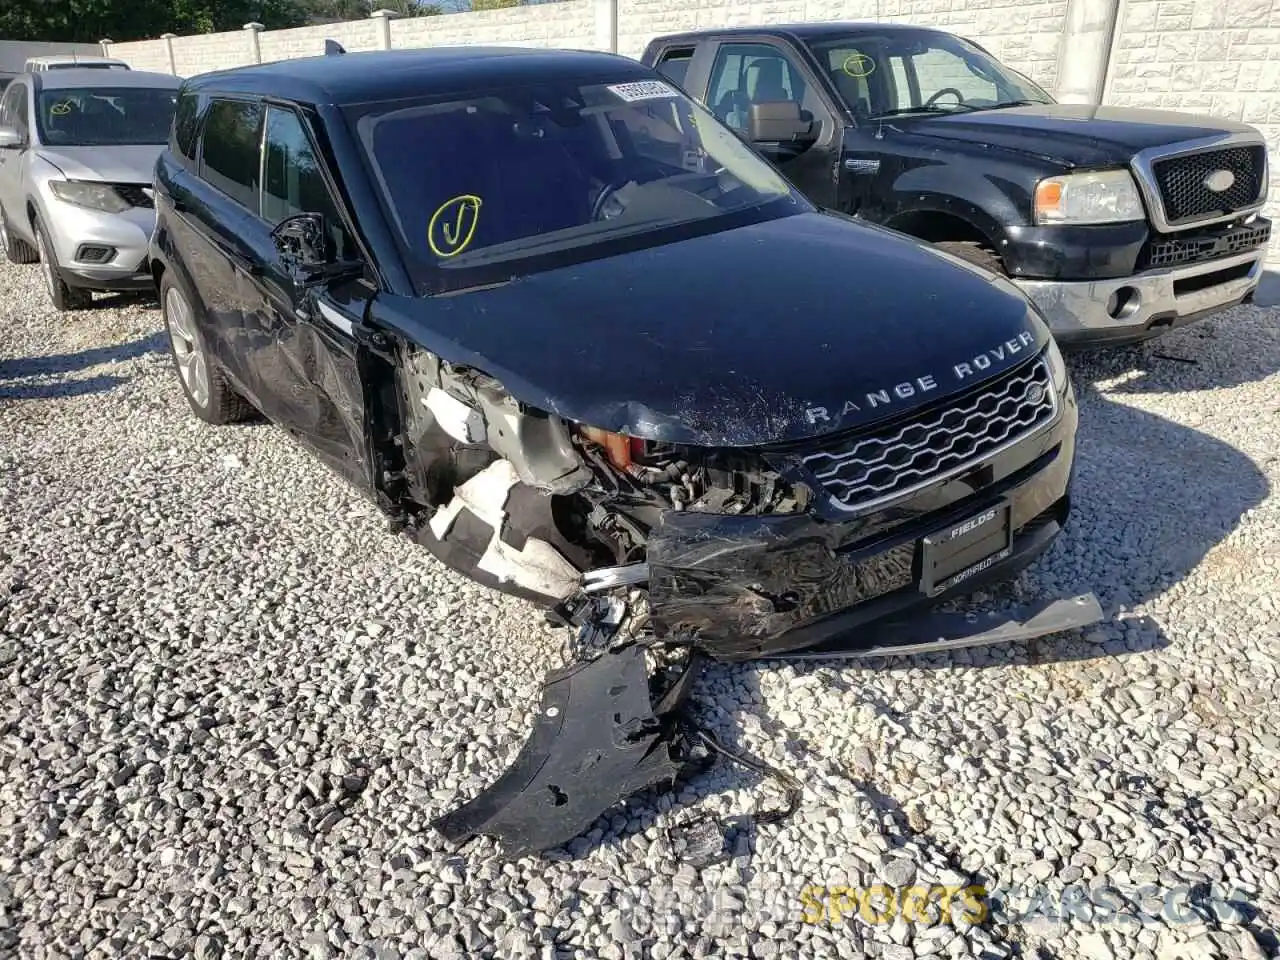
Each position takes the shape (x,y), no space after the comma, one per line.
(105,116)
(901,72)
(477,186)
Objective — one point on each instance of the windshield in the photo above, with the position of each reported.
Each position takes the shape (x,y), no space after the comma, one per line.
(482,185)
(900,72)
(105,116)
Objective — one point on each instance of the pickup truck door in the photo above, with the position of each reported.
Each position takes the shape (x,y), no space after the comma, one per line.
(730,73)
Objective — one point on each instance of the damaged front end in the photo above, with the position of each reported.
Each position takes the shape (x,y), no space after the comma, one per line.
(657,553)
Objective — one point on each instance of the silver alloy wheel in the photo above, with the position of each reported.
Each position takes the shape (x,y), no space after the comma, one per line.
(192,366)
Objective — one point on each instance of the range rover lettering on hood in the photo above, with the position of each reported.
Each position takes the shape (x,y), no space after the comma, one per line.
(976,366)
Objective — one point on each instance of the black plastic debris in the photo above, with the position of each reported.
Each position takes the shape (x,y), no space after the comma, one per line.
(598,739)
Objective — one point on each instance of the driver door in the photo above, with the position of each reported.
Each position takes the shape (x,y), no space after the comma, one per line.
(761,70)
(306,338)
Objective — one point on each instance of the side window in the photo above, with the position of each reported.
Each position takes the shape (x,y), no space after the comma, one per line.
(185,127)
(13,109)
(938,70)
(747,73)
(229,149)
(292,181)
(674,65)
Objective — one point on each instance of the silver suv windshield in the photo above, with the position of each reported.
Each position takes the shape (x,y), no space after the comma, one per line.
(902,72)
(501,176)
(105,116)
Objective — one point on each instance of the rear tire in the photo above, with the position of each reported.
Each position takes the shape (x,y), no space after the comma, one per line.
(210,396)
(14,249)
(975,253)
(63,296)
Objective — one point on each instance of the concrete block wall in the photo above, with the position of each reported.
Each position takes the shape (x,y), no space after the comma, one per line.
(14,53)
(309,41)
(570,23)
(1220,57)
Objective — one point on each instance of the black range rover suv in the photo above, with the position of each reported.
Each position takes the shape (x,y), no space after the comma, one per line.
(571,334)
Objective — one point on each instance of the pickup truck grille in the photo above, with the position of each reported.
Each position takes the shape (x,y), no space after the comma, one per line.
(1185,196)
(1173,251)
(863,471)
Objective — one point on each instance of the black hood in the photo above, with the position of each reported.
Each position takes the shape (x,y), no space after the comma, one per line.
(1075,135)
(739,337)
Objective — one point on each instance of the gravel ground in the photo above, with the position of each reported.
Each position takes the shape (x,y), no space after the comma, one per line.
(231,701)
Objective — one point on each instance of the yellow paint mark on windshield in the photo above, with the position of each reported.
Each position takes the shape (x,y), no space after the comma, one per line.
(453,225)
(858,65)
(61,109)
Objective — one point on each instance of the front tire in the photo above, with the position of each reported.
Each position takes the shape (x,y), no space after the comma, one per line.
(208,393)
(14,249)
(975,253)
(63,296)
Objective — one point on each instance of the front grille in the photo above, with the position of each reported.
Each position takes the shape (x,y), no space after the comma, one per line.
(1196,249)
(1185,196)
(138,194)
(862,471)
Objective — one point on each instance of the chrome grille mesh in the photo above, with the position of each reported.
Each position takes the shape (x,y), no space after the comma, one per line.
(863,471)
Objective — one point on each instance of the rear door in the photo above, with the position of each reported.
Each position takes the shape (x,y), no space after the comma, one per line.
(216,210)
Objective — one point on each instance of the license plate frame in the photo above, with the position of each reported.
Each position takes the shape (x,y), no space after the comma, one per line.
(964,549)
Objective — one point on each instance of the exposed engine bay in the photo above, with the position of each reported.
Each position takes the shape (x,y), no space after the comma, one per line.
(528,503)
(566,515)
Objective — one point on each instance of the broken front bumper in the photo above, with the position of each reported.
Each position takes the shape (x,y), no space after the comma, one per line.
(752,586)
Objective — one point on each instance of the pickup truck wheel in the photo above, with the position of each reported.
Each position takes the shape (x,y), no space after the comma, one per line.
(974,253)
(210,396)
(17,251)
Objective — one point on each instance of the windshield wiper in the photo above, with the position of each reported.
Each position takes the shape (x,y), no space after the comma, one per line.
(902,111)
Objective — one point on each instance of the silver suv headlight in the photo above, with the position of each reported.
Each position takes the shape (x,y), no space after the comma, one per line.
(86,193)
(1105,196)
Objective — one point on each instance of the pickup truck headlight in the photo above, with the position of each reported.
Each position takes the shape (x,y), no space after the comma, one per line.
(1107,196)
(85,193)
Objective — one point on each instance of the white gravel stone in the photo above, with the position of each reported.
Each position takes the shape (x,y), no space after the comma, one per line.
(232,701)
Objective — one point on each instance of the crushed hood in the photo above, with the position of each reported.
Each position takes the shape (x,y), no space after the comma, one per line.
(776,331)
(114,164)
(1072,134)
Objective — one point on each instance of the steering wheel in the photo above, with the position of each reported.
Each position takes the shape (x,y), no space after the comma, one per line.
(945,90)
(606,193)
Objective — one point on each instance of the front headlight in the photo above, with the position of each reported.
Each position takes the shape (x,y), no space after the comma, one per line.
(1057,366)
(1107,196)
(84,193)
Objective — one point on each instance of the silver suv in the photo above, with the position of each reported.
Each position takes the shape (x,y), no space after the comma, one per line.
(77,155)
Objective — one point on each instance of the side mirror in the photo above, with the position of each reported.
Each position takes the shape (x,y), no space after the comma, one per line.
(300,239)
(779,121)
(9,138)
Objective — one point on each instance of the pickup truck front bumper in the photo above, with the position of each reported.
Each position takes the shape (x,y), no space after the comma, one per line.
(1146,304)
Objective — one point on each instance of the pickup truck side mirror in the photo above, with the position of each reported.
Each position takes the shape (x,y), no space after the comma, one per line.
(9,138)
(779,121)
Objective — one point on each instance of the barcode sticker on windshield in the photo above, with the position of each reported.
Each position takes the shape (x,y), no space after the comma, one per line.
(642,90)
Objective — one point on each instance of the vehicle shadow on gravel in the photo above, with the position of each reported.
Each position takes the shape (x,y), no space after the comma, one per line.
(27,378)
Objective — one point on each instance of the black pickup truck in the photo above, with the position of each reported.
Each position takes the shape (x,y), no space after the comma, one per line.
(1117,223)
